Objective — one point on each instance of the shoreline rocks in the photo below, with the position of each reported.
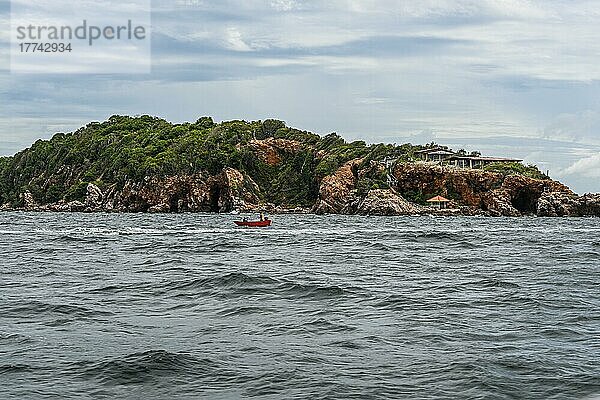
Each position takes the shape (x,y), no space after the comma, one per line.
(472,193)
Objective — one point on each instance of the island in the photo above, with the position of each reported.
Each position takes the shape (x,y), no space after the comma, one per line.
(147,164)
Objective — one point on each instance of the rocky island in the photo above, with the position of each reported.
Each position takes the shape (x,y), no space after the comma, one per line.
(146,164)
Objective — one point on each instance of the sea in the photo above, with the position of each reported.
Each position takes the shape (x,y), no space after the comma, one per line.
(189,306)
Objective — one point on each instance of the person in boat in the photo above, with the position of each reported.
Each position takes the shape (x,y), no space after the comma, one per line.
(262,216)
(245,219)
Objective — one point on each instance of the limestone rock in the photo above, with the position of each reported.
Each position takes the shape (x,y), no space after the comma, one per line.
(94,196)
(492,192)
(271,150)
(28,201)
(386,202)
(498,203)
(561,204)
(337,192)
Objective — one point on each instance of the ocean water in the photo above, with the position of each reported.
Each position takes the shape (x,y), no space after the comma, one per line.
(189,306)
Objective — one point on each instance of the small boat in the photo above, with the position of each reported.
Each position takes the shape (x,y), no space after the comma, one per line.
(254,224)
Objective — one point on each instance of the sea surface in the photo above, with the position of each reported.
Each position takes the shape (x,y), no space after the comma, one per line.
(188,306)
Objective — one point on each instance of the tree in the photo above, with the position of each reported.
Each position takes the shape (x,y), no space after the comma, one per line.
(269,127)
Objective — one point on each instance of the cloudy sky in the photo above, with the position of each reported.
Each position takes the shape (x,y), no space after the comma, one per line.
(507,77)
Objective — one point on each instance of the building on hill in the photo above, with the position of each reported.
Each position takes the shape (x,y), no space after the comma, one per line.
(478,162)
(443,155)
(435,154)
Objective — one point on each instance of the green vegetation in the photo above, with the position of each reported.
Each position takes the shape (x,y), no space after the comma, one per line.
(131,148)
(514,168)
(124,149)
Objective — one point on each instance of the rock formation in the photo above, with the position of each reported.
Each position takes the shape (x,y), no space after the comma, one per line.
(562,204)
(271,150)
(337,193)
(230,190)
(494,193)
(472,192)
(386,202)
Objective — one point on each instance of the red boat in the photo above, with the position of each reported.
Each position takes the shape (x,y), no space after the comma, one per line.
(254,224)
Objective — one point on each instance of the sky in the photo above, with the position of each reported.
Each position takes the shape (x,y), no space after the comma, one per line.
(513,78)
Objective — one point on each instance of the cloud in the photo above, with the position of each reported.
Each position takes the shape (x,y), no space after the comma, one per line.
(234,41)
(582,126)
(284,5)
(508,77)
(588,167)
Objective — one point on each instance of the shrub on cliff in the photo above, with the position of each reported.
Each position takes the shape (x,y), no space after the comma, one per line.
(514,168)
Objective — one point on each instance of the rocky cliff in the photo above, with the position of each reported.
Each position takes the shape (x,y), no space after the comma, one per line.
(564,204)
(471,191)
(227,191)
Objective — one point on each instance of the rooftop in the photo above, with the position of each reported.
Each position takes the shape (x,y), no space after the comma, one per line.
(491,159)
(433,149)
(438,199)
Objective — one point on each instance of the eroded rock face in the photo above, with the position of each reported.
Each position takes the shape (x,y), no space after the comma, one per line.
(561,204)
(589,205)
(386,202)
(473,192)
(271,150)
(499,203)
(494,193)
(29,201)
(94,196)
(337,193)
(221,193)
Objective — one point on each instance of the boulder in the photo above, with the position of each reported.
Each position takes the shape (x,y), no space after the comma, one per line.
(386,202)
(498,202)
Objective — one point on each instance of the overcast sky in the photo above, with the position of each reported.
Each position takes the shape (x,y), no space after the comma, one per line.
(507,77)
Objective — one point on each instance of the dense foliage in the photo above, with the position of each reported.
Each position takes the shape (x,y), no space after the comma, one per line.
(515,168)
(124,149)
(131,148)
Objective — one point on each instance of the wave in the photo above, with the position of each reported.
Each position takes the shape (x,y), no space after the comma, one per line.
(438,236)
(230,280)
(107,289)
(243,310)
(491,283)
(78,239)
(314,292)
(37,307)
(14,338)
(322,325)
(318,326)
(346,344)
(15,368)
(237,284)
(142,367)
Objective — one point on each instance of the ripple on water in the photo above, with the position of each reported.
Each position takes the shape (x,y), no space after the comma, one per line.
(141,367)
(15,369)
(29,309)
